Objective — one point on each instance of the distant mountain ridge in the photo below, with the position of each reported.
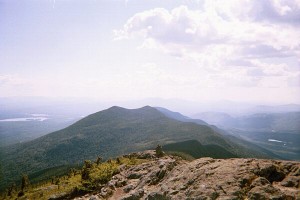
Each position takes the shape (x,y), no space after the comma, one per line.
(277,109)
(109,133)
(178,116)
(276,132)
(289,121)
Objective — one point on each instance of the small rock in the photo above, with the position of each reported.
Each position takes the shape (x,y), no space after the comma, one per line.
(265,192)
(295,171)
(162,164)
(121,183)
(157,196)
(135,195)
(112,184)
(164,188)
(94,197)
(291,181)
(160,175)
(183,187)
(140,192)
(130,197)
(190,182)
(58,196)
(106,192)
(173,192)
(122,167)
(134,176)
(128,188)
(260,181)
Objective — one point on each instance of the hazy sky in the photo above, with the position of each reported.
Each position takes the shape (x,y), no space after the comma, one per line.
(123,50)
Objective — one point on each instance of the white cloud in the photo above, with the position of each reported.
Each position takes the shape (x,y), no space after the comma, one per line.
(197,29)
(227,39)
(257,10)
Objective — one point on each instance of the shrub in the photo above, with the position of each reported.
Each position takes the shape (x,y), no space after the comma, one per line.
(158,151)
(25,182)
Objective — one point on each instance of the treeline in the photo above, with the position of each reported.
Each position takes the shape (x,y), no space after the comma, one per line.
(77,181)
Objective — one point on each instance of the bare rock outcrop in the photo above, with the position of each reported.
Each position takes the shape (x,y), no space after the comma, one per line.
(205,178)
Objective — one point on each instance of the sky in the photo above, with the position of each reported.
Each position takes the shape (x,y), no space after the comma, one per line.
(199,50)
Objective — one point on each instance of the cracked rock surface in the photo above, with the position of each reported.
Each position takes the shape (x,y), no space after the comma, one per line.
(205,178)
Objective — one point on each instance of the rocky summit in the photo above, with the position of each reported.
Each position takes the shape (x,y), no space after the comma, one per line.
(169,177)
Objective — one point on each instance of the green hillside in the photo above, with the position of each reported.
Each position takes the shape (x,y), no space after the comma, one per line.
(195,149)
(108,133)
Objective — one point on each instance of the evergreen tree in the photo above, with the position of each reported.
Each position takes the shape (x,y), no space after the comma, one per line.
(88,164)
(57,182)
(99,160)
(85,172)
(25,182)
(71,172)
(11,190)
(158,151)
(53,178)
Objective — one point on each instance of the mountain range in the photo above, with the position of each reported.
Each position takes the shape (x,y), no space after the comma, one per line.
(277,132)
(288,121)
(113,132)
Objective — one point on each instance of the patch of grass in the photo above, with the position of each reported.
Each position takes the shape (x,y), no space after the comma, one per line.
(72,185)
(132,161)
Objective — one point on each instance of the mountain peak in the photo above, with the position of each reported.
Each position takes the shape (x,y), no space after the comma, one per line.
(147,107)
(116,108)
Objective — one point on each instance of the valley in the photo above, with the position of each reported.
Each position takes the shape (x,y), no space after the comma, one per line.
(284,144)
(277,132)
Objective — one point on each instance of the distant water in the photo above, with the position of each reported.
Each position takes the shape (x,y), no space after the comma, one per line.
(39,115)
(272,140)
(27,119)
(35,117)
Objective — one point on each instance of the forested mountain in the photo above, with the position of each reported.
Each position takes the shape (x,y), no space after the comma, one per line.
(109,133)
